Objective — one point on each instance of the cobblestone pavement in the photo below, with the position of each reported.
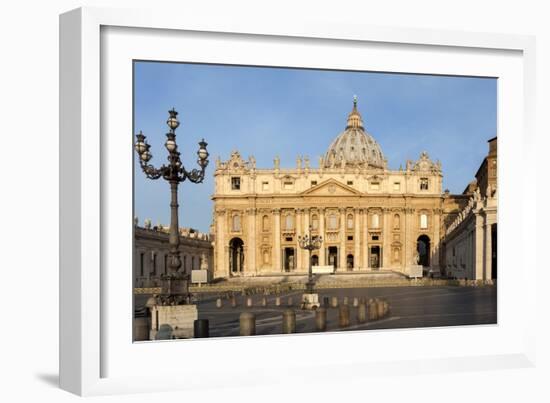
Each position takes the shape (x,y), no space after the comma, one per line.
(411,307)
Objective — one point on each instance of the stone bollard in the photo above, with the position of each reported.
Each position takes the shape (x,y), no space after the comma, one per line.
(249,302)
(334,302)
(219,303)
(380,308)
(362,313)
(264,301)
(346,301)
(386,305)
(355,302)
(289,321)
(277,301)
(200,328)
(289,302)
(321,319)
(326,302)
(247,324)
(233,301)
(343,316)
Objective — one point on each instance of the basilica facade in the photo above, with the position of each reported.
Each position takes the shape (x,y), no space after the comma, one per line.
(370,217)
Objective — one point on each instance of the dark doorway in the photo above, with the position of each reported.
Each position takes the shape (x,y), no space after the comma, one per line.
(375,257)
(333,256)
(289,259)
(423,249)
(494,251)
(349,262)
(236,255)
(315,260)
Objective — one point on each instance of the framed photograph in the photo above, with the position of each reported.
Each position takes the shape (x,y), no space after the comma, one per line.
(289,199)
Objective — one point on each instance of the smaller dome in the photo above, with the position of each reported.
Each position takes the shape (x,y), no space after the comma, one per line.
(354,147)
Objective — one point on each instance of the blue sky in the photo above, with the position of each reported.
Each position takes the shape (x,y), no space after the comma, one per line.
(289,112)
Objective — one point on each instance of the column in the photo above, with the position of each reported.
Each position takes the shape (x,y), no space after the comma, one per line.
(478,249)
(487,250)
(250,255)
(366,264)
(356,240)
(410,249)
(342,254)
(221,268)
(436,246)
(322,257)
(277,241)
(386,239)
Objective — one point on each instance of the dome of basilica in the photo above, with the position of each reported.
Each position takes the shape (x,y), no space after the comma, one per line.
(354,147)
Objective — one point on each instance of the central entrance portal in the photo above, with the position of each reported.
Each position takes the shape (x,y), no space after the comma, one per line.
(236,255)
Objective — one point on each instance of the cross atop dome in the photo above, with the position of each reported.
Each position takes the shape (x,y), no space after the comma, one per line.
(354,118)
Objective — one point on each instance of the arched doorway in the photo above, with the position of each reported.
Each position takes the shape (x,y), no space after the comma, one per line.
(236,255)
(349,261)
(423,249)
(333,256)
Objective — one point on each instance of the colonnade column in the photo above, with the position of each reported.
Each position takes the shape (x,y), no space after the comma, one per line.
(277,241)
(487,250)
(409,248)
(342,264)
(322,257)
(356,239)
(478,245)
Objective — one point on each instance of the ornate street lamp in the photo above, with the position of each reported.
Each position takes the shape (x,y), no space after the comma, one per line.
(310,243)
(175,290)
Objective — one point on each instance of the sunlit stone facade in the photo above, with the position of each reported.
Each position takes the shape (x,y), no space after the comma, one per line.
(371,217)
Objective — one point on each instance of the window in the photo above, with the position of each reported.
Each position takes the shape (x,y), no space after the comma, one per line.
(165,264)
(315,221)
(265,185)
(184,263)
(313,183)
(397,186)
(350,183)
(423,183)
(289,222)
(423,221)
(350,237)
(141,258)
(288,239)
(332,221)
(235,183)
(375,237)
(154,258)
(375,185)
(350,221)
(288,185)
(265,223)
(236,224)
(375,221)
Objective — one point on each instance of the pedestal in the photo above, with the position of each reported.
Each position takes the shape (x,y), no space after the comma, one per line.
(310,301)
(172,321)
(415,271)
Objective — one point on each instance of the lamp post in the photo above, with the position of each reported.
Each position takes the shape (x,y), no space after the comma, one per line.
(310,243)
(175,290)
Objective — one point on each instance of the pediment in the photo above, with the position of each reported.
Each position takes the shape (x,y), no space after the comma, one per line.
(331,187)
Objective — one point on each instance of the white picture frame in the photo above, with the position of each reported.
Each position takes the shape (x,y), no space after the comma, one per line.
(94,361)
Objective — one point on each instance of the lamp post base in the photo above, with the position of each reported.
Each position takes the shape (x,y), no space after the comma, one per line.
(172,321)
(310,301)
